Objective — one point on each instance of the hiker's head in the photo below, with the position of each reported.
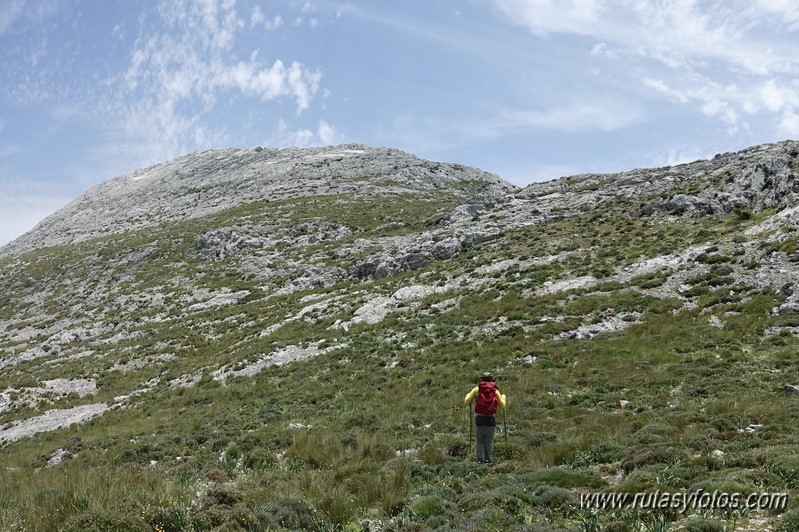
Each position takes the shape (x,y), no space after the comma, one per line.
(487,377)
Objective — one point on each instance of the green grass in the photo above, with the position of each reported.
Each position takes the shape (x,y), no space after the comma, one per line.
(384,433)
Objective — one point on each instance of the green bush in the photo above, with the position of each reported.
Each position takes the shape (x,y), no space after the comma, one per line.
(786,468)
(363,420)
(563,478)
(295,514)
(338,506)
(259,458)
(222,496)
(704,525)
(232,453)
(426,506)
(539,439)
(105,521)
(724,425)
(495,498)
(553,497)
(639,457)
(654,432)
(461,469)
(603,453)
(788,522)
(726,484)
(431,455)
(172,519)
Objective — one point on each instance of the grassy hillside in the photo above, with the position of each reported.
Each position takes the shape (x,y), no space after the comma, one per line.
(668,378)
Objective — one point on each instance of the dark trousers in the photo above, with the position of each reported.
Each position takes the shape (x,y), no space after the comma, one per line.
(486,426)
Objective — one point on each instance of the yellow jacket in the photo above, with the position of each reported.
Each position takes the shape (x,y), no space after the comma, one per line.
(471,396)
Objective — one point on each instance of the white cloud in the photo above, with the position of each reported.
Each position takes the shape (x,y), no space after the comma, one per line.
(670,31)
(786,10)
(715,108)
(341,10)
(177,74)
(413,28)
(686,50)
(286,137)
(781,98)
(257,18)
(327,133)
(599,115)
(22,214)
(9,13)
(713,100)
(678,155)
(213,23)
(7,150)
(40,52)
(789,124)
(602,49)
(23,204)
(660,86)
(65,111)
(538,172)
(277,81)
(274,24)
(777,96)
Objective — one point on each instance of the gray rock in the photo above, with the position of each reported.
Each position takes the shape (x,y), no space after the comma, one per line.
(425,248)
(58,456)
(220,243)
(203,183)
(790,389)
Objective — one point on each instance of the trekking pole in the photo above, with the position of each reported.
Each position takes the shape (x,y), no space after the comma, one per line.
(469,406)
(505,423)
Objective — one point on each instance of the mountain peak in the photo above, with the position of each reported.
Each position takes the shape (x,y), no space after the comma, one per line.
(206,182)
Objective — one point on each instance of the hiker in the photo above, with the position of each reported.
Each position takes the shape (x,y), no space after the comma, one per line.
(489,399)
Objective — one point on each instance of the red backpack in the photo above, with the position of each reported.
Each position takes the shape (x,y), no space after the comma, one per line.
(487,402)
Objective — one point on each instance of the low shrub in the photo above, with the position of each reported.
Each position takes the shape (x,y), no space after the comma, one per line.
(563,478)
(539,439)
(553,497)
(431,455)
(495,498)
(105,521)
(295,514)
(639,457)
(171,519)
(604,453)
(259,458)
(427,506)
(653,433)
(222,496)
(788,522)
(704,525)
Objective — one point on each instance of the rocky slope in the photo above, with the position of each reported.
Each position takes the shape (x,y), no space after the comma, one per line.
(224,266)
(200,184)
(288,220)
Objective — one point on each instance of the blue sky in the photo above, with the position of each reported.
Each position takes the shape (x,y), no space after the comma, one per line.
(529,89)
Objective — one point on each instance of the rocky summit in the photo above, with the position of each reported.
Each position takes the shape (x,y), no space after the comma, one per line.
(282,339)
(203,183)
